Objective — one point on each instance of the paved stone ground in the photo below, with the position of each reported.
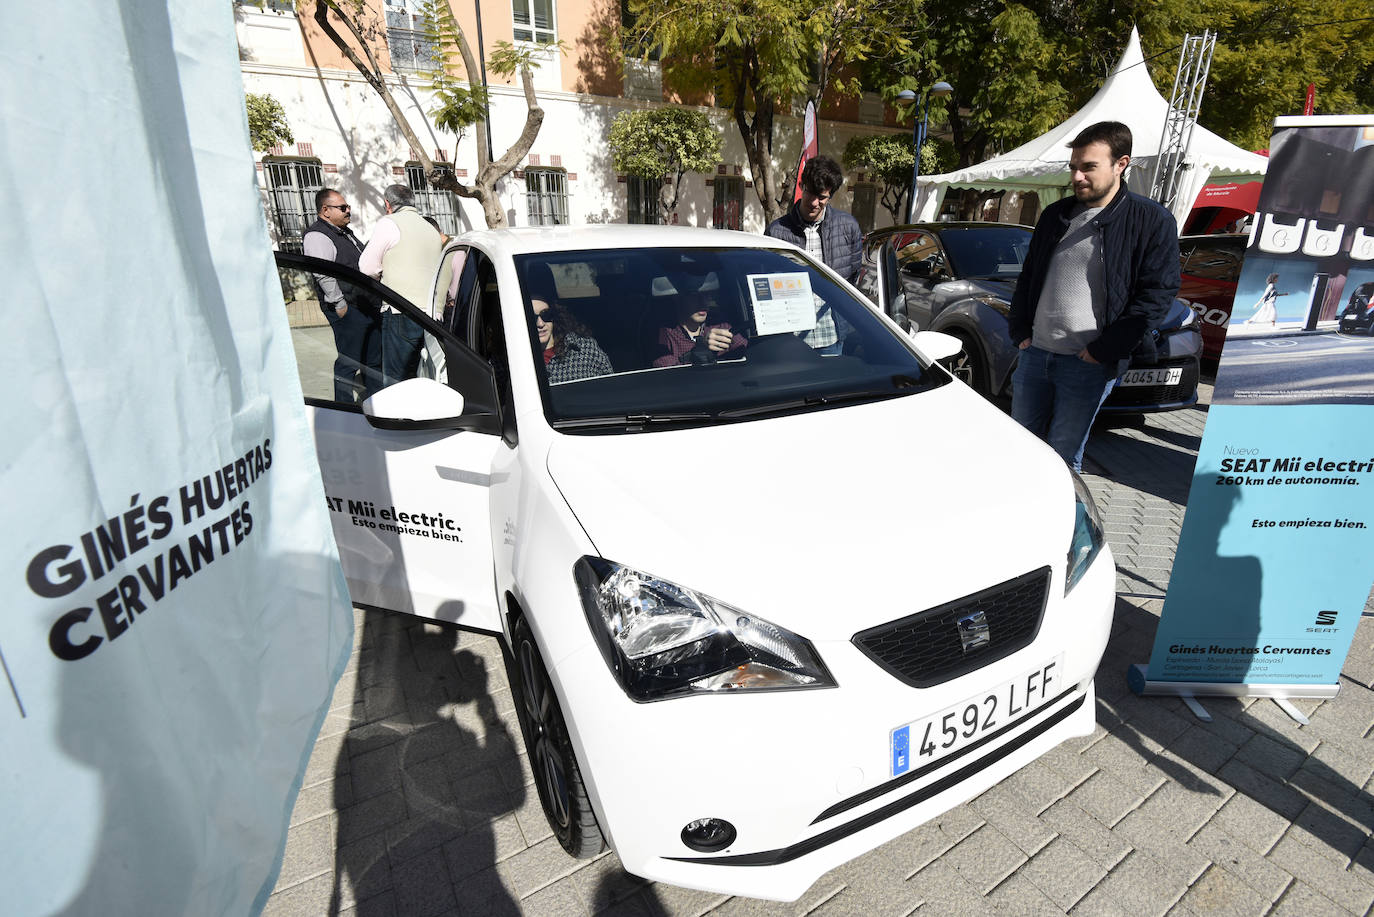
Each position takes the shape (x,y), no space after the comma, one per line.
(418,800)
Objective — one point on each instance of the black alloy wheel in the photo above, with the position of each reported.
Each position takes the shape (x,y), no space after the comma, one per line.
(556,774)
(967,367)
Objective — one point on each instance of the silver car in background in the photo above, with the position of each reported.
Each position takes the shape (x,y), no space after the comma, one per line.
(958,278)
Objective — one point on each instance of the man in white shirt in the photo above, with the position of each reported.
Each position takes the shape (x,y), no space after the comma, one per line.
(404,252)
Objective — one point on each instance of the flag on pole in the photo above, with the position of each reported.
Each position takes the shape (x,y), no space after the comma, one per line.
(810,145)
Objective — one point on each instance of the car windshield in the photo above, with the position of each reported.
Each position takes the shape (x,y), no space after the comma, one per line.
(992,251)
(631,339)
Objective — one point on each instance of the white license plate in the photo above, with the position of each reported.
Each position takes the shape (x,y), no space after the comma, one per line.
(918,743)
(1171,375)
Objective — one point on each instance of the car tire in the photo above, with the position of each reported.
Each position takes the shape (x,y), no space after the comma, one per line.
(969,366)
(557,776)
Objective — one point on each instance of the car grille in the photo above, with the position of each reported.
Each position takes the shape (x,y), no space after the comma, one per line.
(1145,395)
(926,649)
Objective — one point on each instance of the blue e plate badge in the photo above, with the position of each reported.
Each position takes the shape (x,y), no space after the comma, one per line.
(901,750)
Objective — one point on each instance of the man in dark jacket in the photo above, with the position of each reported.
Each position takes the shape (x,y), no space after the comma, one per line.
(352,315)
(1101,273)
(830,235)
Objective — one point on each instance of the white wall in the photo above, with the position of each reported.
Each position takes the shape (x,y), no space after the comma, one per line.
(348,126)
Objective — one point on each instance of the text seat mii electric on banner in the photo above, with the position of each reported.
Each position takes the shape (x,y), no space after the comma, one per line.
(775,588)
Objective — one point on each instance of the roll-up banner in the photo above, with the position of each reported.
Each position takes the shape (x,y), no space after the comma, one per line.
(1271,574)
(177,618)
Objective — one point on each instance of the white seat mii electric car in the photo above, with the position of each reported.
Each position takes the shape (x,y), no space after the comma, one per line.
(775,588)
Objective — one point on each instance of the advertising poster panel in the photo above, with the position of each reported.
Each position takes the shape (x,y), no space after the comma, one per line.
(1270,580)
(178,618)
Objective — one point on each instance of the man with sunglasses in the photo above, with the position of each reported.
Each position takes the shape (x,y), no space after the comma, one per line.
(353,316)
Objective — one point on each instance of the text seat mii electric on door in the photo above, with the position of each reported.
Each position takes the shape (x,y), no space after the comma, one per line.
(775,587)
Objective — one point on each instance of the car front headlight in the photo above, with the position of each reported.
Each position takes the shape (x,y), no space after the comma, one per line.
(1087,534)
(665,640)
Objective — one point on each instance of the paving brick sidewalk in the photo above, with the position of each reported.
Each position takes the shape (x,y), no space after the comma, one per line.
(418,800)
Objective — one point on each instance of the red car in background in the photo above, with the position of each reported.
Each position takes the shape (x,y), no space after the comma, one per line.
(1211,268)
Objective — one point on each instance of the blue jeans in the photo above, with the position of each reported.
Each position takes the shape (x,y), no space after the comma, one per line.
(401,339)
(1056,397)
(358,343)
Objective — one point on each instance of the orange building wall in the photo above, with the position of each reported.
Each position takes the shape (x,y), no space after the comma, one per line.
(321,51)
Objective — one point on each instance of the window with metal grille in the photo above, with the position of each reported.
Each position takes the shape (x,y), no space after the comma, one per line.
(534,20)
(442,205)
(412,46)
(291,186)
(641,204)
(728,210)
(546,190)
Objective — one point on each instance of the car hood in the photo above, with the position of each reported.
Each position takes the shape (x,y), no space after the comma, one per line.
(832,521)
(1001,288)
(975,286)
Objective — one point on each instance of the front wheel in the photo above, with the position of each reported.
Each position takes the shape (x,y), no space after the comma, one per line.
(556,774)
(968,367)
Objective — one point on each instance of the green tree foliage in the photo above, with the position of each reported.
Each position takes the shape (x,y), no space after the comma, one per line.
(1267,54)
(664,143)
(267,125)
(456,106)
(1001,61)
(888,156)
(1018,69)
(756,56)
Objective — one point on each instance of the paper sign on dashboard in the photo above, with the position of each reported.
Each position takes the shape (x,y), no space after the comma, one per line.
(782,302)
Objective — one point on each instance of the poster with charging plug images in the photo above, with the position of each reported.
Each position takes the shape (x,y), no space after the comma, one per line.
(1268,582)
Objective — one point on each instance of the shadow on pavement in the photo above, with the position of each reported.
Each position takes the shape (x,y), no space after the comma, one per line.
(1146,465)
(620,894)
(1250,750)
(425,770)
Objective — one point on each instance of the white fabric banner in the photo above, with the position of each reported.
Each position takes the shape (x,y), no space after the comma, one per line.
(178,616)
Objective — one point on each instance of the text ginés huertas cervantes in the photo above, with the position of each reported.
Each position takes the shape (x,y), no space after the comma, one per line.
(142,554)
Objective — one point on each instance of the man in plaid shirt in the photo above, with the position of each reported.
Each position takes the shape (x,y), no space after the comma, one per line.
(828,235)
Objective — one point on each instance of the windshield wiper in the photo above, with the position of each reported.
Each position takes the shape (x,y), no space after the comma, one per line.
(632,420)
(902,385)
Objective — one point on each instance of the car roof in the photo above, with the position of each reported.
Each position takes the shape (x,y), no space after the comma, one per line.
(534,239)
(945,226)
(1214,237)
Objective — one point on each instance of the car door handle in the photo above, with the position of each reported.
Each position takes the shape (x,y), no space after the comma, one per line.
(463,476)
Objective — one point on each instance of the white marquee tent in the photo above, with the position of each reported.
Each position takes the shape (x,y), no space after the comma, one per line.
(1129,96)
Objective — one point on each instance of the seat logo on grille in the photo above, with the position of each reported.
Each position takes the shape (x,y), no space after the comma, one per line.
(973,631)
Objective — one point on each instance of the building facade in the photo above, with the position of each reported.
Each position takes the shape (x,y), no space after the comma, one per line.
(346,139)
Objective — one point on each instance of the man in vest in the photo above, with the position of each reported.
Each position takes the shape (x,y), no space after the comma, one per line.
(404,252)
(352,315)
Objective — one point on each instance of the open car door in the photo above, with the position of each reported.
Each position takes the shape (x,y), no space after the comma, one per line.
(406,461)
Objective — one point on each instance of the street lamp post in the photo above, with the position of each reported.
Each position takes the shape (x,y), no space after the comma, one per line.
(918,132)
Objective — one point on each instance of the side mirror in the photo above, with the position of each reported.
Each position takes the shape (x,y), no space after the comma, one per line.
(898,312)
(416,404)
(922,270)
(936,345)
